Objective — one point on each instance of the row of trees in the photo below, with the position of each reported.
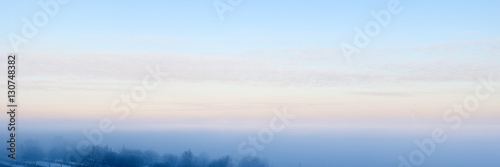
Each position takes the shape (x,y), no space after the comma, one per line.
(99,156)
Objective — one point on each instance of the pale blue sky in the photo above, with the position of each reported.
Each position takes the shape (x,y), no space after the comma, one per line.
(430,47)
(321,23)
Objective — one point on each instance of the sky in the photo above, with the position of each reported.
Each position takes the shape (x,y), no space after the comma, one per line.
(261,55)
(231,73)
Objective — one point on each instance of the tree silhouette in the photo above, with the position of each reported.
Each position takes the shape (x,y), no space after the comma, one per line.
(104,156)
(221,162)
(110,158)
(150,157)
(96,155)
(129,158)
(187,159)
(170,160)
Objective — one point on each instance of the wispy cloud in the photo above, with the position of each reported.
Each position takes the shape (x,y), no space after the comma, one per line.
(293,66)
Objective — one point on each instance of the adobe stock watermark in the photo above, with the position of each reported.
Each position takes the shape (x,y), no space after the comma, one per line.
(265,136)
(121,106)
(372,29)
(222,7)
(453,116)
(30,27)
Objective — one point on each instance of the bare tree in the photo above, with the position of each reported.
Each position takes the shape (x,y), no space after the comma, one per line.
(187,159)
